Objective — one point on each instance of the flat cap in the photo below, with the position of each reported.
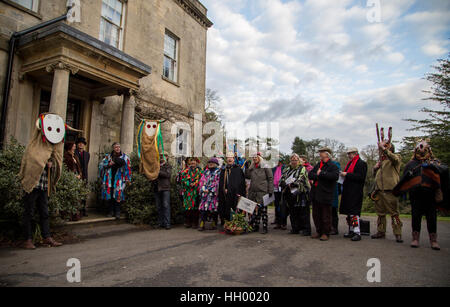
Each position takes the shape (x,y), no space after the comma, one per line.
(327,149)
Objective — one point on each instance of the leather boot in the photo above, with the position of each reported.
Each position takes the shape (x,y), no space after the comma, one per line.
(433,240)
(415,239)
(51,242)
(28,244)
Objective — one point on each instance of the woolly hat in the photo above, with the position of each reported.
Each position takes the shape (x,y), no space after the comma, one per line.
(214,160)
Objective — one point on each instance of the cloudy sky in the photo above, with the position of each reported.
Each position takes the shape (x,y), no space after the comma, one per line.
(322,68)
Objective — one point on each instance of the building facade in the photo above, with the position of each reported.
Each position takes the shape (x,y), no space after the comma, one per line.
(124,60)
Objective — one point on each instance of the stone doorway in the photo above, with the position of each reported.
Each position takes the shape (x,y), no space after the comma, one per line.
(73,114)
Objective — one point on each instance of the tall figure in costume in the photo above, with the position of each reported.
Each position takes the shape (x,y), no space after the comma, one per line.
(426,180)
(352,192)
(387,175)
(115,173)
(190,181)
(148,141)
(209,193)
(40,171)
(232,184)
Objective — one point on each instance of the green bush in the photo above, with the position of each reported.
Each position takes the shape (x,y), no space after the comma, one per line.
(140,206)
(11,208)
(69,192)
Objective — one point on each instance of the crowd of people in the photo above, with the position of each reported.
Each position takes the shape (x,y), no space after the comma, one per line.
(210,195)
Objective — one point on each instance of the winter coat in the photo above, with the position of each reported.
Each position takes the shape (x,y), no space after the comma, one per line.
(323,193)
(72,163)
(209,190)
(84,162)
(163,181)
(234,183)
(352,191)
(261,182)
(114,178)
(190,196)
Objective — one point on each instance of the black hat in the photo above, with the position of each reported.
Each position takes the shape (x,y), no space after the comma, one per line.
(81,140)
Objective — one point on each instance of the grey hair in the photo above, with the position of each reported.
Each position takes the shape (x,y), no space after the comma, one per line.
(295,155)
(114,144)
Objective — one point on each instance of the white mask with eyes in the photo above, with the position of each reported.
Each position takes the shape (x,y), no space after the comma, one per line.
(53,128)
(150,128)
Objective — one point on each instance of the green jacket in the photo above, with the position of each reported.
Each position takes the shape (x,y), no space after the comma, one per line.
(388,175)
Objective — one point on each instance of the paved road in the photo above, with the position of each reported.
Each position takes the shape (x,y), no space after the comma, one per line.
(185,257)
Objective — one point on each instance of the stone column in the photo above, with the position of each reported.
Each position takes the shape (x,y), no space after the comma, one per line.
(127,125)
(60,87)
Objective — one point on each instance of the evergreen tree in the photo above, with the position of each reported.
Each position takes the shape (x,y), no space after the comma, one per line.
(436,126)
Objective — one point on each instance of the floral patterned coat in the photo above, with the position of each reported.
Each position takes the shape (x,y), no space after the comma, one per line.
(209,190)
(114,187)
(190,193)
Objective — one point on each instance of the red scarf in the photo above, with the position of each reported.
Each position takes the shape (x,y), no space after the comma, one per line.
(351,164)
(320,167)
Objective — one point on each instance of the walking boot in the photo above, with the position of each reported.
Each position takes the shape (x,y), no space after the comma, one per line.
(398,239)
(51,242)
(415,239)
(379,235)
(433,240)
(28,244)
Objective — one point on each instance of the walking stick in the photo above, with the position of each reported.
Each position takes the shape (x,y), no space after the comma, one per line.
(380,154)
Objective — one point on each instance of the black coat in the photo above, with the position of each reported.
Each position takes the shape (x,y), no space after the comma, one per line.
(352,189)
(235,185)
(84,163)
(327,180)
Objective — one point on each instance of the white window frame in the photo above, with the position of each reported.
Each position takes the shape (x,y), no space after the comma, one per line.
(182,138)
(121,27)
(177,47)
(34,5)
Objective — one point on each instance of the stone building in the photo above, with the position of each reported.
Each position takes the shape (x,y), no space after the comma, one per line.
(124,60)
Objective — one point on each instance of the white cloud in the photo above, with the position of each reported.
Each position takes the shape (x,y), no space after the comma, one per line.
(320,64)
(434,49)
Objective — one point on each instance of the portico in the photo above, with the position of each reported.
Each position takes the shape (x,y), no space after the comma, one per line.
(71,73)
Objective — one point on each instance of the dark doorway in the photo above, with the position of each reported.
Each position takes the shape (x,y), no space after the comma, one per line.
(73,114)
